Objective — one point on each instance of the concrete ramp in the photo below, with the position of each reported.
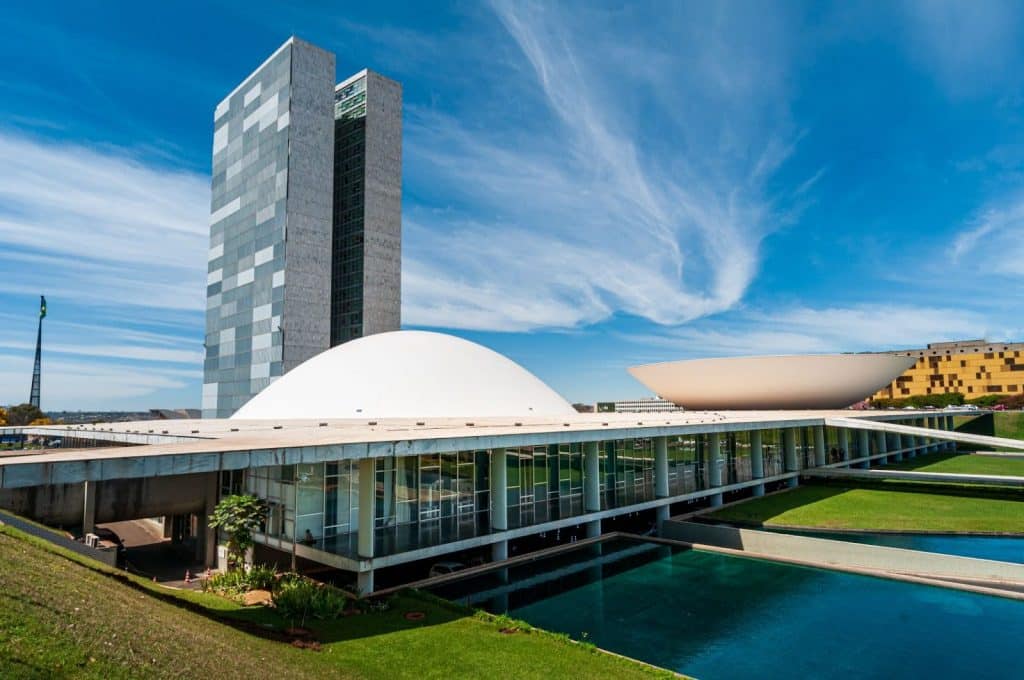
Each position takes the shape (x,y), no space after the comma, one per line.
(914,476)
(848,556)
(943,435)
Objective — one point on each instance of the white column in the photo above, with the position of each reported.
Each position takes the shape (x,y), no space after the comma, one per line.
(757,460)
(864,444)
(950,446)
(819,445)
(88,507)
(499,551)
(882,447)
(591,477)
(789,454)
(844,443)
(499,490)
(900,444)
(367,506)
(715,465)
(364,582)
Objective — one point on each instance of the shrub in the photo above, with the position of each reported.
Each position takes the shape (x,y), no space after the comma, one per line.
(261,577)
(238,581)
(298,599)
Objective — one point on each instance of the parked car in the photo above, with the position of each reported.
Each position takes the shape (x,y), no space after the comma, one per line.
(444,568)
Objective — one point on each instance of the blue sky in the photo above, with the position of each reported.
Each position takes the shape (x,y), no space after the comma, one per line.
(587,186)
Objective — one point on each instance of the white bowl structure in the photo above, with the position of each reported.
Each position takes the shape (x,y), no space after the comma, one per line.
(816,381)
(405,374)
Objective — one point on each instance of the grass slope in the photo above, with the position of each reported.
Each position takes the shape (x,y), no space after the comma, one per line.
(898,509)
(63,615)
(1009,424)
(963,463)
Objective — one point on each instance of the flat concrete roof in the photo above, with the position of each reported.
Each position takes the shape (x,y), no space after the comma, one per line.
(193,446)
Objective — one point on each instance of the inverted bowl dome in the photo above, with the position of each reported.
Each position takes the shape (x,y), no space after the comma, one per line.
(817,381)
(406,374)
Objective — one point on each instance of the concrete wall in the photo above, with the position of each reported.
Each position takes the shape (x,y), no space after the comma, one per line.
(116,500)
(843,553)
(106,556)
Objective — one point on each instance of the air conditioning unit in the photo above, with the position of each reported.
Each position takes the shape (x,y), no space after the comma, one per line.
(92,540)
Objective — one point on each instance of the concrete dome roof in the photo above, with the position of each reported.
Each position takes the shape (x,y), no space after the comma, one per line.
(406,374)
(814,381)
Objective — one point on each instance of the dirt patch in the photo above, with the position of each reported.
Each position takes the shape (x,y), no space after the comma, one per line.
(255,597)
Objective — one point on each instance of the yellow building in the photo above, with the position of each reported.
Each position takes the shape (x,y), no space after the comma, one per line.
(974,368)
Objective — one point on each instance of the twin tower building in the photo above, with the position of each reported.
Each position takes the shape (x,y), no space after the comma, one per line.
(305,220)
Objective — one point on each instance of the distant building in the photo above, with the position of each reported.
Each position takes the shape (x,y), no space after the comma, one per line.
(646,405)
(974,368)
(305,220)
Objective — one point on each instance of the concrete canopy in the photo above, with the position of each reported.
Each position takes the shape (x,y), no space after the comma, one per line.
(816,381)
(406,374)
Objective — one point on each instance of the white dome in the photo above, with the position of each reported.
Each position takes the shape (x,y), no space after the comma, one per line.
(406,374)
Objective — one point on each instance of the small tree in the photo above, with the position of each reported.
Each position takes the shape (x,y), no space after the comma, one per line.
(238,516)
(23,414)
(3,416)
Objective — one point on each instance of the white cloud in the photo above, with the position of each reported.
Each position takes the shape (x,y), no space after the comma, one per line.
(567,220)
(100,227)
(993,241)
(966,45)
(798,330)
(76,385)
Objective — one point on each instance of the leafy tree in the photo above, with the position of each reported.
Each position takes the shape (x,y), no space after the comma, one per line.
(23,414)
(238,516)
(3,416)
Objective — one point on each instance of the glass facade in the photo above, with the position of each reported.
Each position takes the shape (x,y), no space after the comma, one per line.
(349,193)
(273,118)
(437,498)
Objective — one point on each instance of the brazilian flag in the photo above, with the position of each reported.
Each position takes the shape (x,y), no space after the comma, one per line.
(42,306)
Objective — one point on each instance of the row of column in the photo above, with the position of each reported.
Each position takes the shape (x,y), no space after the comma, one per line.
(592,479)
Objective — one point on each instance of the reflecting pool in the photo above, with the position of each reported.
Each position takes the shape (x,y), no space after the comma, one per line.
(716,616)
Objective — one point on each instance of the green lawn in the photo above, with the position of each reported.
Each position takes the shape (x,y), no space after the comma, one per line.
(964,463)
(63,615)
(1008,424)
(897,509)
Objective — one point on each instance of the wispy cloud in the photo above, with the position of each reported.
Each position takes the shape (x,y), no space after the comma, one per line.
(570,209)
(966,45)
(797,330)
(100,226)
(993,241)
(75,384)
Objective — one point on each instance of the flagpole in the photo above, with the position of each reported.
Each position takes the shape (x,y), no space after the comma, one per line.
(37,369)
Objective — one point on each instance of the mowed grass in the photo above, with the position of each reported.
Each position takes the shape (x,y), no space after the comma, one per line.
(963,463)
(898,509)
(1009,424)
(64,616)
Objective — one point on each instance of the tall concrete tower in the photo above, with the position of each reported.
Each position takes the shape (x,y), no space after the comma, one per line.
(279,279)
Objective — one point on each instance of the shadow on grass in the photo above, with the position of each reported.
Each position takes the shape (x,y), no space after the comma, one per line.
(757,511)
(265,622)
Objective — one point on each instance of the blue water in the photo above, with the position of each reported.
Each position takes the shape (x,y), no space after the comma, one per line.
(717,616)
(1003,548)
